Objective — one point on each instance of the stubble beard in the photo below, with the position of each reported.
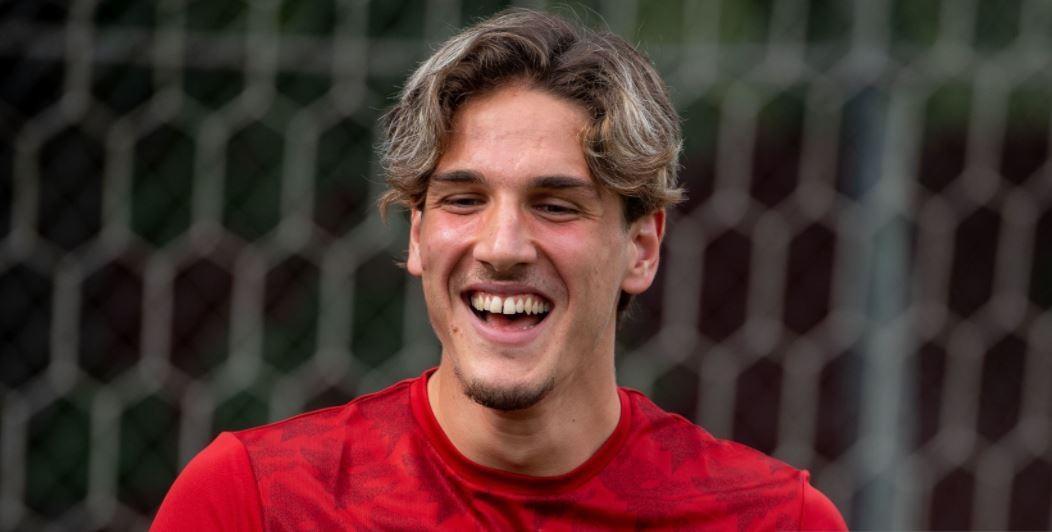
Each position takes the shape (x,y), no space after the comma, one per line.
(504,399)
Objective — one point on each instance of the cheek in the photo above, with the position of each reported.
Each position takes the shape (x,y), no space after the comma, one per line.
(441,245)
(592,264)
(601,265)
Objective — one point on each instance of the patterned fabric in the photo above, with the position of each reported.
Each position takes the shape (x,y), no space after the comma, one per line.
(382,462)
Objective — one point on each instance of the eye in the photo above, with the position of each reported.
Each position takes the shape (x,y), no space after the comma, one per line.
(557,209)
(461,203)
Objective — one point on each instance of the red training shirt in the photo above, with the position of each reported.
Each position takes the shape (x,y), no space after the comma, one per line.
(382,462)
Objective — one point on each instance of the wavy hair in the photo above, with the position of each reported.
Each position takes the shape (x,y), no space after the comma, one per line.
(631,143)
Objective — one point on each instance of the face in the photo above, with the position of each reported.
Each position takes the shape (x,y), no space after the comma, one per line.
(522,256)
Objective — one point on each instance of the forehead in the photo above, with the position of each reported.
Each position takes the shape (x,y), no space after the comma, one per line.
(517,100)
(516,132)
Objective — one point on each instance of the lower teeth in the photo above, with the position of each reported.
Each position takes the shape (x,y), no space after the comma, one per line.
(522,321)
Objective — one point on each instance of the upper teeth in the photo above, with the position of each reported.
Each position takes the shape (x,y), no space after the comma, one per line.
(509,305)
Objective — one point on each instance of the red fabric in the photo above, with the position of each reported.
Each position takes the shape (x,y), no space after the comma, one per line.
(382,462)
(216,491)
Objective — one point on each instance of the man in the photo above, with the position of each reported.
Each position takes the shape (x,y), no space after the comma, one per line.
(536,159)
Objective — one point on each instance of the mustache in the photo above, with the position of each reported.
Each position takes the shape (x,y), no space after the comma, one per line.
(522,275)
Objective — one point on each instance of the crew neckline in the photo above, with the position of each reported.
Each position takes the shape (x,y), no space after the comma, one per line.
(490,477)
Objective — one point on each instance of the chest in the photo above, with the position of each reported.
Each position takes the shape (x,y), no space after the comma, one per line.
(409,488)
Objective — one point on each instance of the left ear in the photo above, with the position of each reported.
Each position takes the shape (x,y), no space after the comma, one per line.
(645,236)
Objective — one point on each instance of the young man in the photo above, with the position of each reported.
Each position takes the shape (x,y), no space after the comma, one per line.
(536,159)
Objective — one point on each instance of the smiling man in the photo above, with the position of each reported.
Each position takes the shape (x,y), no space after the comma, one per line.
(536,159)
(523,256)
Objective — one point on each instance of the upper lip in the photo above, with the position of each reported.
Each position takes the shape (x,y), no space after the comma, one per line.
(505,289)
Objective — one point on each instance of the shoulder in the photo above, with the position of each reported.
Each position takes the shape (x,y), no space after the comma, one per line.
(221,488)
(720,462)
(360,414)
(315,445)
(744,481)
(215,491)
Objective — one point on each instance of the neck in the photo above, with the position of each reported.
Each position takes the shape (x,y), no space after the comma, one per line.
(549,438)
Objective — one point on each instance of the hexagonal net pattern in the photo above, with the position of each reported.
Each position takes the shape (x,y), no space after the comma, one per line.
(860,282)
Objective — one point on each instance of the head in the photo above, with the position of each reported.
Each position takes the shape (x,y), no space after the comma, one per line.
(491,201)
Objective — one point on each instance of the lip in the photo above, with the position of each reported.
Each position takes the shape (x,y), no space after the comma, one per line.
(504,289)
(504,336)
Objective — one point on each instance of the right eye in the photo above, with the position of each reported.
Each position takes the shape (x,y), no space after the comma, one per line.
(461,204)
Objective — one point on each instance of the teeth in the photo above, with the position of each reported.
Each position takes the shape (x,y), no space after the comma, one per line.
(508,305)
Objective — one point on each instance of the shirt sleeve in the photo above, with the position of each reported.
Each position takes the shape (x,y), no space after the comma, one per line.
(818,512)
(216,491)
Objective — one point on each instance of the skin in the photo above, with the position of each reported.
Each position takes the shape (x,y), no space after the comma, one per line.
(512,204)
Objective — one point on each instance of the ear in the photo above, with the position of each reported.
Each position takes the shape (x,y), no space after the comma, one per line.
(412,262)
(645,236)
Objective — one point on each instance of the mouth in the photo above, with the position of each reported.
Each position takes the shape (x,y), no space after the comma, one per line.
(511,312)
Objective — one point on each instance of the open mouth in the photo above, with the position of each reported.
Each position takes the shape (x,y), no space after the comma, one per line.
(508,311)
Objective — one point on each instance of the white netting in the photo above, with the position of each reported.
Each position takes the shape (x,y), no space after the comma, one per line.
(860,282)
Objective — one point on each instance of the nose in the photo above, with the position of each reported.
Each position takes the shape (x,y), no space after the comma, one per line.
(504,239)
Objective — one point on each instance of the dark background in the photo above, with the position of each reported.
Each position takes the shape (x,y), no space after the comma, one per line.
(859,283)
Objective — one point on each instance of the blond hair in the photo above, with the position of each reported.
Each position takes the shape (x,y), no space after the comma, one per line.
(631,144)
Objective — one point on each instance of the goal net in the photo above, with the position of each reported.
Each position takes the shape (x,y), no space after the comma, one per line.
(859,283)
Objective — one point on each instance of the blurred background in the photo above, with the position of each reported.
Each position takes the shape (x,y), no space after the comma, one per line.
(859,284)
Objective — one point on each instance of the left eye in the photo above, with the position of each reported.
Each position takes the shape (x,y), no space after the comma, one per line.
(555,208)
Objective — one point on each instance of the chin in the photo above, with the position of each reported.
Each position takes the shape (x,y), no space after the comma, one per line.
(503,394)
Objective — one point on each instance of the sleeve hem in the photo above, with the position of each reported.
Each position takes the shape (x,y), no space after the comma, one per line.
(817,512)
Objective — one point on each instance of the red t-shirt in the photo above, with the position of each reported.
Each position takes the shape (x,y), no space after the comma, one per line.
(382,462)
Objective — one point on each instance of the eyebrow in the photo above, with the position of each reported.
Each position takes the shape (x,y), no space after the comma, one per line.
(458,176)
(555,182)
(561,182)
